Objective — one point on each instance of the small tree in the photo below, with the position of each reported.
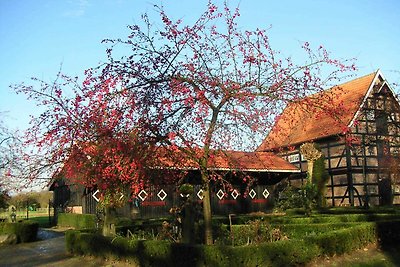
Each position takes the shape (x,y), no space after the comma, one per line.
(320,179)
(89,136)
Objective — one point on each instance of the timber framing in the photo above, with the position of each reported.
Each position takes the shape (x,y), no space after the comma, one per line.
(362,159)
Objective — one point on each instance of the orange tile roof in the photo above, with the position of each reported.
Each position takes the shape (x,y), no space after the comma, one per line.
(231,161)
(319,115)
(251,161)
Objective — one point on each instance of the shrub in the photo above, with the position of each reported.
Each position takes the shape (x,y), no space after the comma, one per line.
(162,253)
(26,231)
(303,199)
(333,218)
(254,232)
(308,240)
(304,230)
(77,221)
(320,178)
(345,240)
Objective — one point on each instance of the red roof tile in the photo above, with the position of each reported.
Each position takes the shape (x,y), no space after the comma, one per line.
(233,161)
(318,116)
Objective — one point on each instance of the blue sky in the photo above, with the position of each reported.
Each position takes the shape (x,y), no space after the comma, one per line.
(37,36)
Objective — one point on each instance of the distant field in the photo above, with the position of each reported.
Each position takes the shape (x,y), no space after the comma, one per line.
(23,214)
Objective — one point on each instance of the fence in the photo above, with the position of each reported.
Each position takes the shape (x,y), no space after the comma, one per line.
(26,213)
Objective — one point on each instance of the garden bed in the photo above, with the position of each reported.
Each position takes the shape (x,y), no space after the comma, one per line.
(300,240)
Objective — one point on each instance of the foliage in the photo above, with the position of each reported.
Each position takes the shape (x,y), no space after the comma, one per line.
(26,231)
(311,194)
(310,152)
(161,253)
(330,240)
(4,198)
(308,240)
(254,232)
(320,179)
(292,197)
(186,189)
(302,230)
(345,240)
(38,199)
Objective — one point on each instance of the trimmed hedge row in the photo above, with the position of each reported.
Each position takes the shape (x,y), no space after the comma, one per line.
(162,253)
(304,230)
(26,231)
(280,253)
(334,218)
(332,215)
(77,221)
(345,240)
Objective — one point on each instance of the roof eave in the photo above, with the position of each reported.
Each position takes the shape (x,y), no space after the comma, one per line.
(231,169)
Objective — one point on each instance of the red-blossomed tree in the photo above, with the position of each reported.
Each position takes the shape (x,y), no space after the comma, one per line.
(197,89)
(91,135)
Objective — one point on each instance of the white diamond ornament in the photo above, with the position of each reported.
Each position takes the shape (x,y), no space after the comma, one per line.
(220,194)
(200,194)
(265,193)
(142,195)
(235,194)
(252,194)
(94,195)
(162,194)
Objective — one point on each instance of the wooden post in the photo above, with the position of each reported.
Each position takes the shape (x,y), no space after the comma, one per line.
(350,185)
(49,212)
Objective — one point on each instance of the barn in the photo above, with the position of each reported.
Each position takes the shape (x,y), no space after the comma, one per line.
(264,169)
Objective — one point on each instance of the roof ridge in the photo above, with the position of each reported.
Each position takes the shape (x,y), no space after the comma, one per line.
(346,97)
(327,90)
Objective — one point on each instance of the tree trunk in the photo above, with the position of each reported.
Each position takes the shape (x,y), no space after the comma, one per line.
(310,167)
(109,222)
(188,223)
(208,237)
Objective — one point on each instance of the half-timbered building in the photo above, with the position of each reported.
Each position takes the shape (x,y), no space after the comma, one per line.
(357,129)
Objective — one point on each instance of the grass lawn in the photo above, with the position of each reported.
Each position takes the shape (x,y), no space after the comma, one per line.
(39,216)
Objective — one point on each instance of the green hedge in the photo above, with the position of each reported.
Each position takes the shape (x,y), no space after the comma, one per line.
(345,240)
(26,231)
(303,230)
(333,218)
(162,253)
(77,221)
(292,252)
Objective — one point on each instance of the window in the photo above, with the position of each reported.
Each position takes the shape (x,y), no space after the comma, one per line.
(293,158)
(370,115)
